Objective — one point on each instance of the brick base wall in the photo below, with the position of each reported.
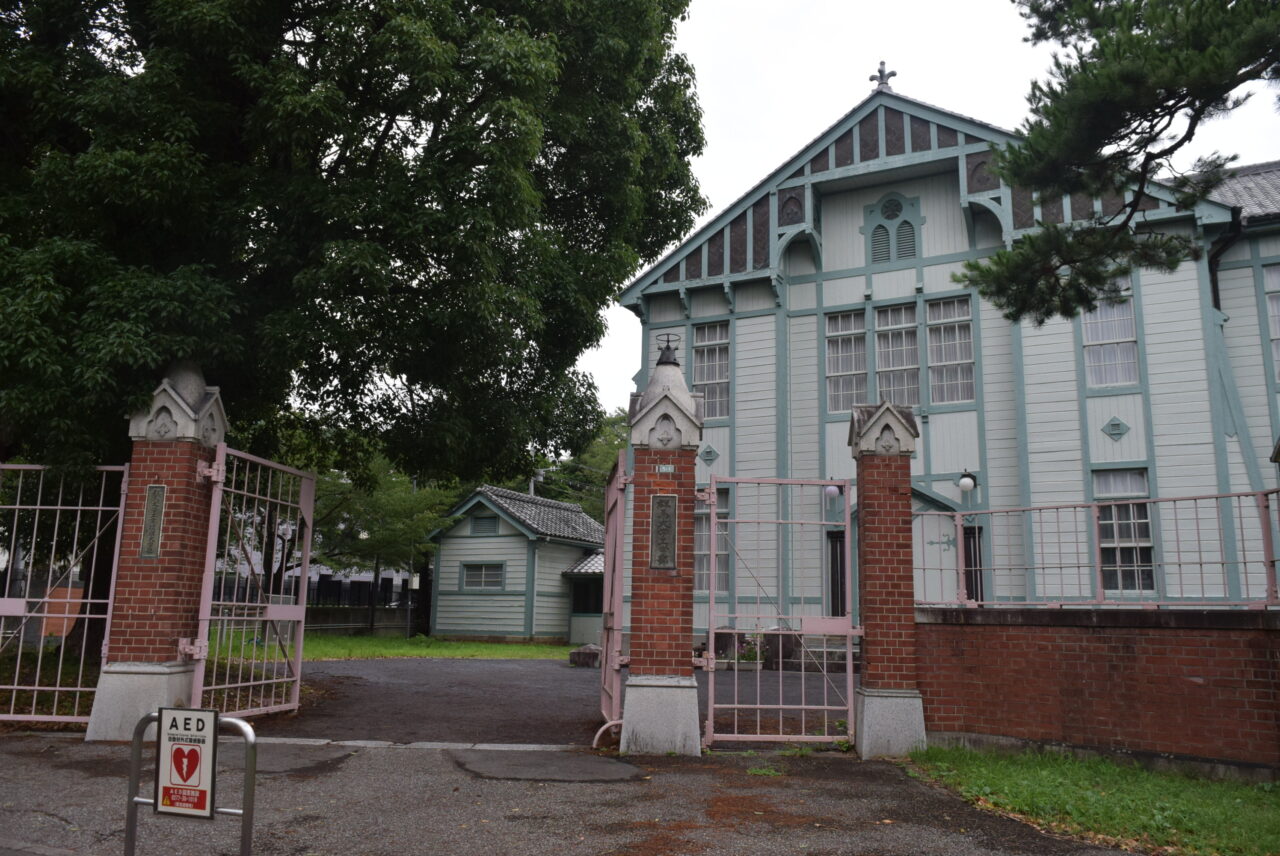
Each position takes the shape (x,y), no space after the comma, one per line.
(1194,683)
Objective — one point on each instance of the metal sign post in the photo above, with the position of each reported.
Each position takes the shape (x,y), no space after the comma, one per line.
(185,767)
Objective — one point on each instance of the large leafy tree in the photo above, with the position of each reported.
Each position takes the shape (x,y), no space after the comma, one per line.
(390,219)
(582,478)
(1133,83)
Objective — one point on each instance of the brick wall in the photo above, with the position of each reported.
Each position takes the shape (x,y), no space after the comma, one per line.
(885,579)
(156,600)
(1203,684)
(662,600)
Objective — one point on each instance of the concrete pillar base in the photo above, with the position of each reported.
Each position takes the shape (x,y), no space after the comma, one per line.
(660,716)
(890,723)
(129,691)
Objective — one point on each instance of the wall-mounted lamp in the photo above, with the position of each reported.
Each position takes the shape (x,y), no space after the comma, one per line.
(831,491)
(967,481)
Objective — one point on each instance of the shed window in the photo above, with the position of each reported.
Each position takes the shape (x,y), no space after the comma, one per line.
(482,576)
(484,524)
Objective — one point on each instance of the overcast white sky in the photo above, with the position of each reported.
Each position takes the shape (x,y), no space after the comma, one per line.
(773,75)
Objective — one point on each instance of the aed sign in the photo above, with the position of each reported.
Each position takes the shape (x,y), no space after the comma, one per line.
(186,761)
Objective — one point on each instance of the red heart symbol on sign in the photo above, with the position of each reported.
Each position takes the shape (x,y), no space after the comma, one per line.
(186,762)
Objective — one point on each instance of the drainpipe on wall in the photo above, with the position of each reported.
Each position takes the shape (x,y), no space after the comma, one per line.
(1216,250)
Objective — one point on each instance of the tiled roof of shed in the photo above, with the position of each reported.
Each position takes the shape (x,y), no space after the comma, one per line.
(546,516)
(591,564)
(1255,189)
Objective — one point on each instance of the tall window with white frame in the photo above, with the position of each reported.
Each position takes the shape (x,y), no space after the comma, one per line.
(846,361)
(950,332)
(702,552)
(711,367)
(897,355)
(1110,344)
(1271,280)
(1124,533)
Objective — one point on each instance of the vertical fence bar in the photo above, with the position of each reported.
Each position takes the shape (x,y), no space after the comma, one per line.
(1268,547)
(206,584)
(962,588)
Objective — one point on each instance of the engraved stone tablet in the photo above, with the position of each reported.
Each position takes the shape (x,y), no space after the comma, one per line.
(662,533)
(152,521)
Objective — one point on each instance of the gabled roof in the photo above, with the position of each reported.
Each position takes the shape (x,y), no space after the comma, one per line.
(814,156)
(886,136)
(534,516)
(1255,189)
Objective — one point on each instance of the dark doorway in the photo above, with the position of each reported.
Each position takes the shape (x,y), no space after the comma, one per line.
(838,578)
(973,562)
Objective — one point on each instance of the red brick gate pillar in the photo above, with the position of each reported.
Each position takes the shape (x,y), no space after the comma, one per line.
(156,591)
(660,712)
(890,712)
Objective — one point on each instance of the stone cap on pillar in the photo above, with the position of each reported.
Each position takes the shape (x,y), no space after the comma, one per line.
(666,415)
(182,408)
(882,429)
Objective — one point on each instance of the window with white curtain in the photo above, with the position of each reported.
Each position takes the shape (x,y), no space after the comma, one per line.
(950,350)
(846,361)
(897,355)
(1110,344)
(1124,532)
(711,367)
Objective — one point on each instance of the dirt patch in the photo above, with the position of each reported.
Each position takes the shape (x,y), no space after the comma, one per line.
(738,809)
(662,844)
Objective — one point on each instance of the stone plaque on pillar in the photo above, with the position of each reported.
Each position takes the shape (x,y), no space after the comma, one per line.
(662,537)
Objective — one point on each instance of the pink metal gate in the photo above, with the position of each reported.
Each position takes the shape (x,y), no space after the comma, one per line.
(253,600)
(781,611)
(612,642)
(58,547)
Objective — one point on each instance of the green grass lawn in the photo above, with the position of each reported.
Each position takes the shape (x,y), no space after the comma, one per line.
(1125,804)
(325,646)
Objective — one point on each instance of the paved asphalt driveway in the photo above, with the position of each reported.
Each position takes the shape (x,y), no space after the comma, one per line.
(496,701)
(326,787)
(455,701)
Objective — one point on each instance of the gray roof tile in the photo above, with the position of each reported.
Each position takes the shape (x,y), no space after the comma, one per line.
(592,564)
(546,516)
(1255,189)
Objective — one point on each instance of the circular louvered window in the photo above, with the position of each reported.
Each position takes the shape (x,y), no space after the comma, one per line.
(891,209)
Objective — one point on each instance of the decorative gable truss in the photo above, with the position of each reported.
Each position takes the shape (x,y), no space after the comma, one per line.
(887,137)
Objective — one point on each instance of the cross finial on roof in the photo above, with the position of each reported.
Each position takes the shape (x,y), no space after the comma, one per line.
(882,79)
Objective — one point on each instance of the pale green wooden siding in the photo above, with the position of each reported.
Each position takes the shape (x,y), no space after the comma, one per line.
(755,390)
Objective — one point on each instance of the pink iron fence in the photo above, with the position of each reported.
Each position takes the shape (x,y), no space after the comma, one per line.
(253,601)
(781,610)
(612,638)
(1189,551)
(58,547)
